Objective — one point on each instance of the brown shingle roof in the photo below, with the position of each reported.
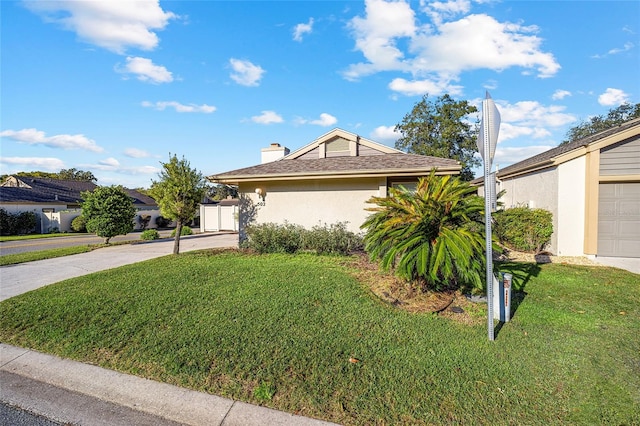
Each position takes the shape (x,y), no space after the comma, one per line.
(549,155)
(375,164)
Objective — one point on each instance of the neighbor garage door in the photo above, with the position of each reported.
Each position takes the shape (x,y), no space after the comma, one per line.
(619,220)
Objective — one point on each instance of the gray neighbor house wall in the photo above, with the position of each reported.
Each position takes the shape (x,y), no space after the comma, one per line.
(592,188)
(535,190)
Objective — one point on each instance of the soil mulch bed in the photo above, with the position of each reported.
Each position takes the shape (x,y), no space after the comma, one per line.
(449,304)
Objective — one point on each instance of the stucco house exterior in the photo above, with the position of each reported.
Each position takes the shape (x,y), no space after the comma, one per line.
(326,181)
(592,187)
(56,202)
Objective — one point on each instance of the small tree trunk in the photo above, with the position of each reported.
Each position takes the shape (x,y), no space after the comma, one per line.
(176,241)
(106,240)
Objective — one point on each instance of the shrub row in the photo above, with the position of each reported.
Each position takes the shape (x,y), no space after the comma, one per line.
(523,229)
(290,238)
(18,223)
(149,234)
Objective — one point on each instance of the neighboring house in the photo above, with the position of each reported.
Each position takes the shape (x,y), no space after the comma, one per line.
(326,181)
(56,202)
(592,187)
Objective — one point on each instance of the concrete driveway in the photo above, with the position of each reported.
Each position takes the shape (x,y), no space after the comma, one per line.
(24,277)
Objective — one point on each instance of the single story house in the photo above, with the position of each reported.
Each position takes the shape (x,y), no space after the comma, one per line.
(56,202)
(325,182)
(592,187)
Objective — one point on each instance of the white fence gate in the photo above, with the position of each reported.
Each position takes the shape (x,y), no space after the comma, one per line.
(214,217)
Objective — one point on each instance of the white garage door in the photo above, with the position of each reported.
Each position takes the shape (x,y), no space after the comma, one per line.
(619,220)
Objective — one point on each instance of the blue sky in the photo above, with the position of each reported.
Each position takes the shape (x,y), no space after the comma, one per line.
(114,87)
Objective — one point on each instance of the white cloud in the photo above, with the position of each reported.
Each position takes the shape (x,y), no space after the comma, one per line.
(560,94)
(113,25)
(422,87)
(245,73)
(267,117)
(145,70)
(439,11)
(110,163)
(534,114)
(613,97)
(509,155)
(625,48)
(178,107)
(376,36)
(136,153)
(481,42)
(38,137)
(441,51)
(46,163)
(385,134)
(302,29)
(510,131)
(325,120)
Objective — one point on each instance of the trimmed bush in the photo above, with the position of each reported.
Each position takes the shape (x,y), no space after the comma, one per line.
(18,223)
(79,224)
(332,239)
(184,231)
(524,229)
(149,234)
(290,238)
(274,238)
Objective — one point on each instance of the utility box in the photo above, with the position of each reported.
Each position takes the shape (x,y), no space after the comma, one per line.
(502,297)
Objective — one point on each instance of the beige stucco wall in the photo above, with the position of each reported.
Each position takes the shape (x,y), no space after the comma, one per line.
(570,226)
(537,190)
(310,202)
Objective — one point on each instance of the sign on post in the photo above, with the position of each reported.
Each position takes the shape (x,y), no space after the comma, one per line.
(487,141)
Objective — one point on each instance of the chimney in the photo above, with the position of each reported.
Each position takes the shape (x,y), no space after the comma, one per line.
(273,153)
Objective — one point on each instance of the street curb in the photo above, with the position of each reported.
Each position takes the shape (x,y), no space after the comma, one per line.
(159,399)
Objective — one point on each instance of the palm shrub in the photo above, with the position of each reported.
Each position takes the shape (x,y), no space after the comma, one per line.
(430,236)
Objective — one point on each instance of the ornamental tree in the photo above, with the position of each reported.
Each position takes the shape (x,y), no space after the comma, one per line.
(441,128)
(179,193)
(108,211)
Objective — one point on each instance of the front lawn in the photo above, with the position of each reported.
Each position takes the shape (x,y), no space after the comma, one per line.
(302,334)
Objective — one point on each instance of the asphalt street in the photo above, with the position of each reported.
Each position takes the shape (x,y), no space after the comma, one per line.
(24,246)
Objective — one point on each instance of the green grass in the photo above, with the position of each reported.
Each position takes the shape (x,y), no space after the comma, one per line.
(38,236)
(12,259)
(279,330)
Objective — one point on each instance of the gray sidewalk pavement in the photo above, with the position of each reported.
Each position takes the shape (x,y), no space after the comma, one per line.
(631,264)
(70,392)
(20,278)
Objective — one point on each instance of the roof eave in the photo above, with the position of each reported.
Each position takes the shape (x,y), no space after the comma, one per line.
(349,174)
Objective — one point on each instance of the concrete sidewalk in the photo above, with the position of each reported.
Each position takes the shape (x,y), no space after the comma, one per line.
(70,392)
(18,279)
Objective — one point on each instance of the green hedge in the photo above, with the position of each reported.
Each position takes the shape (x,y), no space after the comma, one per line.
(18,223)
(149,234)
(523,229)
(290,238)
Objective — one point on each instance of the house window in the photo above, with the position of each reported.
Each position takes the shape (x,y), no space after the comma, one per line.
(410,186)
